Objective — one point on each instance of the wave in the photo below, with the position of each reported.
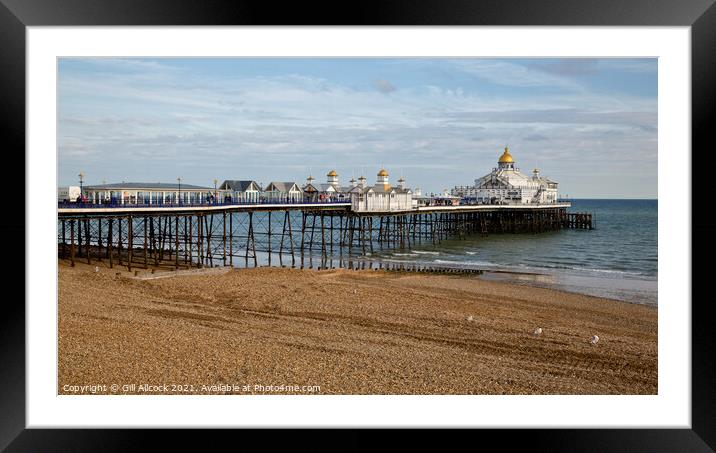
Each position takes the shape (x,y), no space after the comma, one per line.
(425,252)
(465,263)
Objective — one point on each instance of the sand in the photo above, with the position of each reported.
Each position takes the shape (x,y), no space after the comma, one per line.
(289,331)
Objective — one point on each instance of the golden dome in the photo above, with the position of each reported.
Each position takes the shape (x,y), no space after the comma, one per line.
(382,172)
(506,157)
(332,173)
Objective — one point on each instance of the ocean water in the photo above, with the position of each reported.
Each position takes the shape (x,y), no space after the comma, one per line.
(618,259)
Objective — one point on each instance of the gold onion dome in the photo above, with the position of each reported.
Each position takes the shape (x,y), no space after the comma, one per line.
(506,157)
(382,172)
(332,173)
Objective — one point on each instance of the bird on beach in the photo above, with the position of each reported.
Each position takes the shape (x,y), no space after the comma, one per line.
(594,340)
(537,332)
(470,318)
(96,268)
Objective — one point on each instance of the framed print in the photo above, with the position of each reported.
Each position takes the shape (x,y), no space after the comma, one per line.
(222,255)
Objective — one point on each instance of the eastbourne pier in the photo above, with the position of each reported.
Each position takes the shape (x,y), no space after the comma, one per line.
(220,234)
(142,225)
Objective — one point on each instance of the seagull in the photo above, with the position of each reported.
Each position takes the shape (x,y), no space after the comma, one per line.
(470,318)
(96,268)
(537,332)
(594,340)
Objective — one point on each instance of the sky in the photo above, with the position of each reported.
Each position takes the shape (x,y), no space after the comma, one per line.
(589,124)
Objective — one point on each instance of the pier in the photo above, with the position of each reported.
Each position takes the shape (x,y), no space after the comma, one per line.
(179,236)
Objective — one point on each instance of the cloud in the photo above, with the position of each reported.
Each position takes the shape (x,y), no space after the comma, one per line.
(384,86)
(568,66)
(514,74)
(536,138)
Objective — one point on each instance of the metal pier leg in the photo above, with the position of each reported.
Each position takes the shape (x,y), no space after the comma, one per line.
(290,238)
(130,242)
(72,242)
(119,241)
(99,239)
(176,242)
(79,237)
(87,239)
(200,240)
(323,236)
(146,258)
(224,237)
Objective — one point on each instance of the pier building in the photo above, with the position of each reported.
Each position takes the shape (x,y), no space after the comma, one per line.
(506,184)
(146,193)
(283,192)
(240,191)
(381,197)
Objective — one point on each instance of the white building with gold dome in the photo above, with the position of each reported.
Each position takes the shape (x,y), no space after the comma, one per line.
(382,197)
(506,184)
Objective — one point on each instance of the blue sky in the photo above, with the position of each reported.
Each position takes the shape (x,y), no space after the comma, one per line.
(589,124)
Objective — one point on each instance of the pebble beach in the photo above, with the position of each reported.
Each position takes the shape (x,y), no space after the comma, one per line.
(291,331)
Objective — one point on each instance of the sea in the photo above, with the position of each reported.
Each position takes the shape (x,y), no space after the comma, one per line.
(618,259)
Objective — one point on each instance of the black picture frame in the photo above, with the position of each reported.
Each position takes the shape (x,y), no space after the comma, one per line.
(700,15)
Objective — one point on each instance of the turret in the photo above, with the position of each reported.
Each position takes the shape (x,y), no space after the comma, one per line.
(332,178)
(401,183)
(382,179)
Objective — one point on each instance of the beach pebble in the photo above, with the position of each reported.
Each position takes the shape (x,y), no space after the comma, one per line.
(470,318)
(594,340)
(537,332)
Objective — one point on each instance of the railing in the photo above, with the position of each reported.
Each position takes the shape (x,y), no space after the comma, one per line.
(80,205)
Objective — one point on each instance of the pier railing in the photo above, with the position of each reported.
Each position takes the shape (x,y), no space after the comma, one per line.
(118,205)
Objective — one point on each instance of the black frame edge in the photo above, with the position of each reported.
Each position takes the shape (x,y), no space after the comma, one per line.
(699,14)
